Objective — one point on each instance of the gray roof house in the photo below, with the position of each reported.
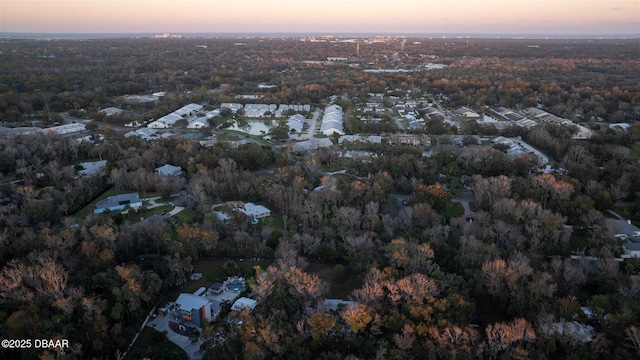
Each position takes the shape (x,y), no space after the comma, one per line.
(626,229)
(169,170)
(118,202)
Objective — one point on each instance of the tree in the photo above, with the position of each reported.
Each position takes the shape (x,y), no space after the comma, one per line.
(356,317)
(321,324)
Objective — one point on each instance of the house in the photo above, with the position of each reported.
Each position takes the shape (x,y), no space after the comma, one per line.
(110,111)
(467,113)
(92,167)
(234,107)
(332,121)
(254,211)
(169,170)
(144,133)
(199,123)
(296,123)
(67,128)
(250,209)
(242,303)
(626,229)
(572,329)
(194,308)
(118,202)
(169,120)
(631,249)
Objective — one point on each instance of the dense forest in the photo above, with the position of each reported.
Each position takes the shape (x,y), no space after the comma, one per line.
(512,282)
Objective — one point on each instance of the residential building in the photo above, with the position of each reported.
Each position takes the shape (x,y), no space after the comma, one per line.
(332,121)
(234,107)
(254,211)
(296,123)
(631,249)
(92,167)
(467,113)
(110,111)
(626,230)
(199,123)
(67,129)
(242,303)
(144,133)
(118,202)
(194,308)
(169,120)
(169,170)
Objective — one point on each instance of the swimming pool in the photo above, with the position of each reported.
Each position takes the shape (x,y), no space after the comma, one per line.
(235,286)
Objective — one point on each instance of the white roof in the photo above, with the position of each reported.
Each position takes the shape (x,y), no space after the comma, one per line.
(190,301)
(111,111)
(169,170)
(242,303)
(213,113)
(252,209)
(296,122)
(199,123)
(92,167)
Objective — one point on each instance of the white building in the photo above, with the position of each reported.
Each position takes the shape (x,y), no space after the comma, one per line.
(110,111)
(169,170)
(332,121)
(242,303)
(296,123)
(254,211)
(169,120)
(234,107)
(67,129)
(199,123)
(467,113)
(144,133)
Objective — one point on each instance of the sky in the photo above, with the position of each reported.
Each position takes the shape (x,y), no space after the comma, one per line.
(577,17)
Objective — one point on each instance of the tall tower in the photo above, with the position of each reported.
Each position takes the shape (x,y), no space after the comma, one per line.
(357,48)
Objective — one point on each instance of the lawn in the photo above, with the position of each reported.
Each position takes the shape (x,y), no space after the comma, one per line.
(454,210)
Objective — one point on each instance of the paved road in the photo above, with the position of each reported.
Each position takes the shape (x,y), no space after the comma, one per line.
(312,124)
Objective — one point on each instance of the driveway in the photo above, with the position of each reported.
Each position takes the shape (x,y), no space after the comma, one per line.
(161,323)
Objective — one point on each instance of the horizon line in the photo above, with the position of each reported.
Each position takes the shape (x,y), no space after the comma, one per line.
(293,34)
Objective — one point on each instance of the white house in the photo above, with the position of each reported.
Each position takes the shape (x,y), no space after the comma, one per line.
(242,303)
(296,123)
(110,111)
(169,170)
(199,123)
(67,128)
(467,113)
(169,120)
(234,107)
(143,133)
(332,121)
(254,211)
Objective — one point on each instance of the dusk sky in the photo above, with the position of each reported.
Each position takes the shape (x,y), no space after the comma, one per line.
(324,16)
